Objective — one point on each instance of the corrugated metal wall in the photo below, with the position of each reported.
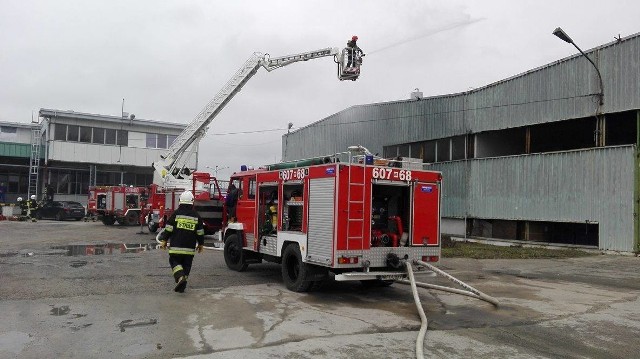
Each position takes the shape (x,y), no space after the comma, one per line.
(594,185)
(555,92)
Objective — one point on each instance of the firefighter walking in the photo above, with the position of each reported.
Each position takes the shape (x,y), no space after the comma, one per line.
(184,230)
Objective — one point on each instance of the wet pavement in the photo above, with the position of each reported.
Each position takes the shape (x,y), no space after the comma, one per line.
(83,290)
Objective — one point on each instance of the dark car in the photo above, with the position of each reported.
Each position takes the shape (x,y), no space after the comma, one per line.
(61,210)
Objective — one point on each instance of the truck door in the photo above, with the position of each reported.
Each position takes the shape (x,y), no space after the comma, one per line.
(426,214)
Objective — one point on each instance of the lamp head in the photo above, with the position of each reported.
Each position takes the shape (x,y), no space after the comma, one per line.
(562,35)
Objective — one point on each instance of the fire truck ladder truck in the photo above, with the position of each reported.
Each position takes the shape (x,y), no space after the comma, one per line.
(172,166)
(173,174)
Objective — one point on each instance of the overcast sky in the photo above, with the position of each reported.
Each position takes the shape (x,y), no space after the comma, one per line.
(167,59)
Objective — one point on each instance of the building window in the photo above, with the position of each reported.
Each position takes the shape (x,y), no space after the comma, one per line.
(98,136)
(390,151)
(171,139)
(417,151)
(152,139)
(155,140)
(458,148)
(8,129)
(162,141)
(60,132)
(123,138)
(85,134)
(429,152)
(444,154)
(72,133)
(110,137)
(8,132)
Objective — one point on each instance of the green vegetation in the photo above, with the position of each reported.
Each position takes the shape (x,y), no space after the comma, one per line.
(488,251)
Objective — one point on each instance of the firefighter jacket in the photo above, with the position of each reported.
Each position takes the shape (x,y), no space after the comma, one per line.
(183,230)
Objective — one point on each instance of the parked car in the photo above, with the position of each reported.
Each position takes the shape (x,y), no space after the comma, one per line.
(61,210)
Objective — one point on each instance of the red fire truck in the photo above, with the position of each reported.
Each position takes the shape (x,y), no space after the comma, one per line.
(111,204)
(357,220)
(208,202)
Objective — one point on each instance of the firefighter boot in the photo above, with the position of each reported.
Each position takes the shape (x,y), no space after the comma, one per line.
(182,283)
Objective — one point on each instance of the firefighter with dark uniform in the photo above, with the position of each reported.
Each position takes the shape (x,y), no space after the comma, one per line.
(185,233)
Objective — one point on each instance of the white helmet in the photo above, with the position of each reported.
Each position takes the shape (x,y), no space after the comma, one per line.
(19,199)
(186,197)
(33,196)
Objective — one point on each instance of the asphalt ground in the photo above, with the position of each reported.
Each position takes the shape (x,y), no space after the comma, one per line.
(83,290)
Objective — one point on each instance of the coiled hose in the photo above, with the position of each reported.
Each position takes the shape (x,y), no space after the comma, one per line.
(470,292)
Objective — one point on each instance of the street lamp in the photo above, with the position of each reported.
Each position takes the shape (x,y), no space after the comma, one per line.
(564,37)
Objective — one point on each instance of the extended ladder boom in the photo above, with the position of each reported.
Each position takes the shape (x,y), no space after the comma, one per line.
(172,161)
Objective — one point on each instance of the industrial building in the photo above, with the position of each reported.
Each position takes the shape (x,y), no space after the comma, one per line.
(68,151)
(549,155)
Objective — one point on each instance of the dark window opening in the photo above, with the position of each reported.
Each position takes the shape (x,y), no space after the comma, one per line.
(533,231)
(72,132)
(110,137)
(60,133)
(500,143)
(471,150)
(417,150)
(98,135)
(621,128)
(429,151)
(123,138)
(458,147)
(403,150)
(563,135)
(390,151)
(85,134)
(444,153)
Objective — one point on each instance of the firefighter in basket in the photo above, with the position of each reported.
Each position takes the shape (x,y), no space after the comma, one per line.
(185,232)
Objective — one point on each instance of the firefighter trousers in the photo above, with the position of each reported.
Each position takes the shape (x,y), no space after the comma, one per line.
(180,265)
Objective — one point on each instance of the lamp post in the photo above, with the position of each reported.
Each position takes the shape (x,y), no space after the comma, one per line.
(564,37)
(600,126)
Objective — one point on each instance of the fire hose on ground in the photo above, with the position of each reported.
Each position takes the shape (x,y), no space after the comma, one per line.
(470,292)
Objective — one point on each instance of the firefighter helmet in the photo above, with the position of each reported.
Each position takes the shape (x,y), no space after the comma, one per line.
(33,196)
(186,197)
(19,199)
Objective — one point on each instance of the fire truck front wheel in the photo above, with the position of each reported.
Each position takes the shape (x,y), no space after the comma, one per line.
(108,220)
(234,254)
(294,271)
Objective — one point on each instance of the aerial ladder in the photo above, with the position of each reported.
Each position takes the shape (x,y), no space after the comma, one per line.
(173,165)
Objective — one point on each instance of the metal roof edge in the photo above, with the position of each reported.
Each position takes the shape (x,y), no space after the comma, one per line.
(44,112)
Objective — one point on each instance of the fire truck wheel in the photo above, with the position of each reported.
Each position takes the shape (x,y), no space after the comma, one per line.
(108,220)
(132,218)
(294,271)
(233,254)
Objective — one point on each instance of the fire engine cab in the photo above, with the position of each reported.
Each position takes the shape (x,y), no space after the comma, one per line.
(357,219)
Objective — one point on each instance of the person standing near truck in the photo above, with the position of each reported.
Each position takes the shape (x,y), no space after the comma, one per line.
(185,233)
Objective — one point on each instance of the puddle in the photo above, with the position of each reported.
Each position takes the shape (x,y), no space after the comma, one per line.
(62,310)
(104,249)
(78,264)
